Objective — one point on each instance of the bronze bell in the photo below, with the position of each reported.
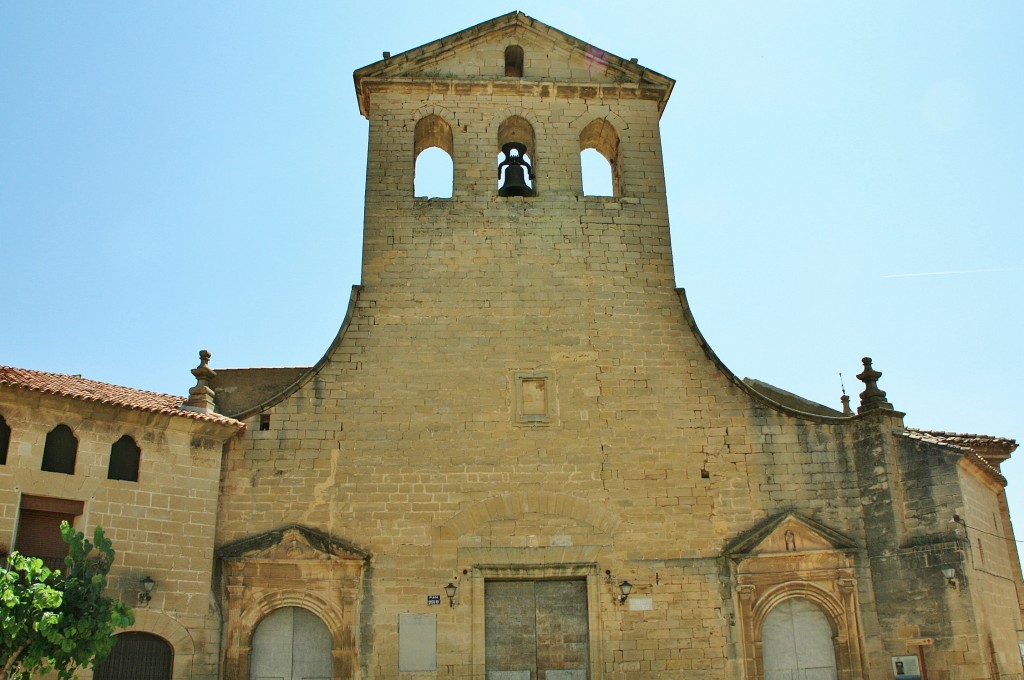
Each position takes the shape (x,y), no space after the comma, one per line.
(516,169)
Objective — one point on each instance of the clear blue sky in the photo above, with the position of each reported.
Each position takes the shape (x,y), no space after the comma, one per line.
(845,179)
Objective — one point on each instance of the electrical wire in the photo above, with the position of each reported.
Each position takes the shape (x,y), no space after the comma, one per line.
(961,522)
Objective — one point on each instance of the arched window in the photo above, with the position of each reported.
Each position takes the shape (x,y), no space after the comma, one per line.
(124,460)
(797,641)
(5,440)
(516,171)
(432,153)
(599,158)
(514,61)
(60,451)
(139,656)
(291,643)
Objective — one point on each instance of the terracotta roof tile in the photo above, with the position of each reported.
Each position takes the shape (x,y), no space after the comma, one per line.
(969,440)
(968,451)
(77,387)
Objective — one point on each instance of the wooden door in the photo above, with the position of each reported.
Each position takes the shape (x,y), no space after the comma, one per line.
(798,643)
(536,630)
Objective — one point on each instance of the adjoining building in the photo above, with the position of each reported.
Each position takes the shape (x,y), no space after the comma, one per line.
(519,459)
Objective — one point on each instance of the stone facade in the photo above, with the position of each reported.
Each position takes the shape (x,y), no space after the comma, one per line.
(520,395)
(162,523)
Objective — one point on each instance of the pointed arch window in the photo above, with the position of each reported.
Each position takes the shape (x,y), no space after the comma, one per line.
(60,451)
(600,159)
(516,167)
(514,61)
(124,460)
(433,149)
(5,440)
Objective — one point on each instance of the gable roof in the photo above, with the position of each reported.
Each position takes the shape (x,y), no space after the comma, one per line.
(399,65)
(77,387)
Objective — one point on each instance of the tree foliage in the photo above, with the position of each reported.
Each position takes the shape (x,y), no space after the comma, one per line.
(58,620)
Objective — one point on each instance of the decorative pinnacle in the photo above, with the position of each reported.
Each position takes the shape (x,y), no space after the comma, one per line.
(203,372)
(871,398)
(200,397)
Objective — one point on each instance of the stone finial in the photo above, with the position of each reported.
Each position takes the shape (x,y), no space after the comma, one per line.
(845,399)
(200,397)
(871,398)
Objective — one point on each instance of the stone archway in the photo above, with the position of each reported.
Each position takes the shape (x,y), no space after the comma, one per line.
(792,559)
(293,567)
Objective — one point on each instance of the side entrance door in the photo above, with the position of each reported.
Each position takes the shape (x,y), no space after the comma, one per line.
(291,643)
(798,643)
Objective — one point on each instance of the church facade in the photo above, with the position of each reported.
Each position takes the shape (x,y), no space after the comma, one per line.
(519,459)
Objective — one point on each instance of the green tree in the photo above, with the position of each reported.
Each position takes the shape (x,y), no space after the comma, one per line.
(54,620)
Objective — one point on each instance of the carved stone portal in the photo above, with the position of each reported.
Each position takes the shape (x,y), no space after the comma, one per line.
(793,557)
(291,567)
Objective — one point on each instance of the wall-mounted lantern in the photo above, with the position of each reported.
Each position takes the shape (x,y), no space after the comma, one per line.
(449,590)
(949,573)
(626,587)
(147,589)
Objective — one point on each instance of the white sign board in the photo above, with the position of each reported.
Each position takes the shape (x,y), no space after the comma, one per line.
(417,642)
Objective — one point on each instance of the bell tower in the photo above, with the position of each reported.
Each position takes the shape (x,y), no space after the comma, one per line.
(519,290)
(513,102)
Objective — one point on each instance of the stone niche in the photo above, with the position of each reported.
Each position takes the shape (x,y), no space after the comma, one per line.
(294,566)
(792,558)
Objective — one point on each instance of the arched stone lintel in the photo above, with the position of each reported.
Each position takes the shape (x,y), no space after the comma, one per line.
(262,605)
(433,130)
(435,110)
(503,115)
(516,505)
(600,113)
(834,610)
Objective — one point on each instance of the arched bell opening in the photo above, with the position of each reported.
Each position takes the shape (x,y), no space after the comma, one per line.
(600,141)
(516,173)
(433,167)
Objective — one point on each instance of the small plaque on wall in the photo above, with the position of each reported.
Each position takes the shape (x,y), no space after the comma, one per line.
(640,604)
(433,599)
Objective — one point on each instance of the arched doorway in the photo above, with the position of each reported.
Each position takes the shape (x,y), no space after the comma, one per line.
(797,641)
(140,656)
(291,643)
